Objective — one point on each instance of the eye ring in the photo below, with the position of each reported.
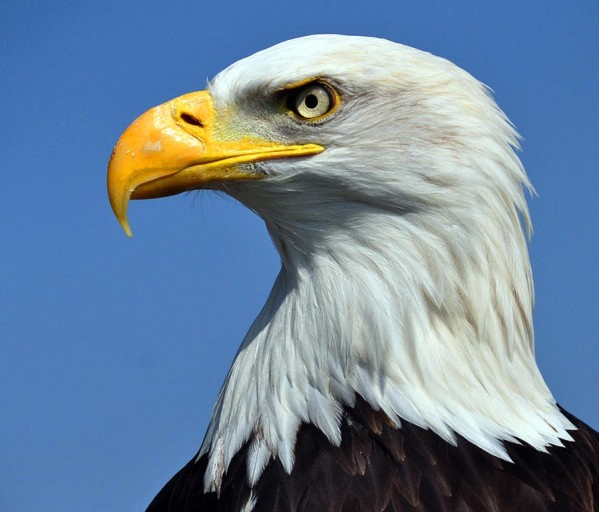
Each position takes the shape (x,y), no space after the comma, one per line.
(312,101)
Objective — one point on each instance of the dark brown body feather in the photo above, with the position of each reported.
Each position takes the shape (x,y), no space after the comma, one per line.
(379,468)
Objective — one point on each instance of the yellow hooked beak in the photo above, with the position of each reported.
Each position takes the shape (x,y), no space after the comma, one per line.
(175,147)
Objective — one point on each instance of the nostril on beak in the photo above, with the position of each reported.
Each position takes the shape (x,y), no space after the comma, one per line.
(192,120)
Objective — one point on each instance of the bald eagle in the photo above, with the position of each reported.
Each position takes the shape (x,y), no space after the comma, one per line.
(392,367)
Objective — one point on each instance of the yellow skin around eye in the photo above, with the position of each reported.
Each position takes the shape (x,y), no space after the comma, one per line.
(323,92)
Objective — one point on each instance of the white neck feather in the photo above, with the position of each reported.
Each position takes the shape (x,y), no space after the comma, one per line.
(417,323)
(405,273)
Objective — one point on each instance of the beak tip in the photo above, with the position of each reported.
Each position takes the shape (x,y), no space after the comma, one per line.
(126,228)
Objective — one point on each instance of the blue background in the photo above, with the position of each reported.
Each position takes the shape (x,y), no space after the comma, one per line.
(112,350)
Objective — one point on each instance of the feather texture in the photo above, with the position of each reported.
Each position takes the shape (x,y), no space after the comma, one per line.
(392,367)
(417,200)
(378,468)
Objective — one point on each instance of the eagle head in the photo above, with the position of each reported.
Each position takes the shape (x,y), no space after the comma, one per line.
(388,180)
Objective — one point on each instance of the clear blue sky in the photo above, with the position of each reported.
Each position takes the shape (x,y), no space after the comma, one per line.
(112,350)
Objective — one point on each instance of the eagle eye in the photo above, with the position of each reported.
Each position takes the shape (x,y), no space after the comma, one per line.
(312,101)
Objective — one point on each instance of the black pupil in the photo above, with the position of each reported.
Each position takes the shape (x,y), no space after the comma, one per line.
(311,101)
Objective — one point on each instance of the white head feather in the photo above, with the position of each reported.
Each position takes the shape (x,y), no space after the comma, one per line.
(405,274)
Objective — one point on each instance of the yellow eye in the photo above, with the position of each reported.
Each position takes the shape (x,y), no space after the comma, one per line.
(312,101)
